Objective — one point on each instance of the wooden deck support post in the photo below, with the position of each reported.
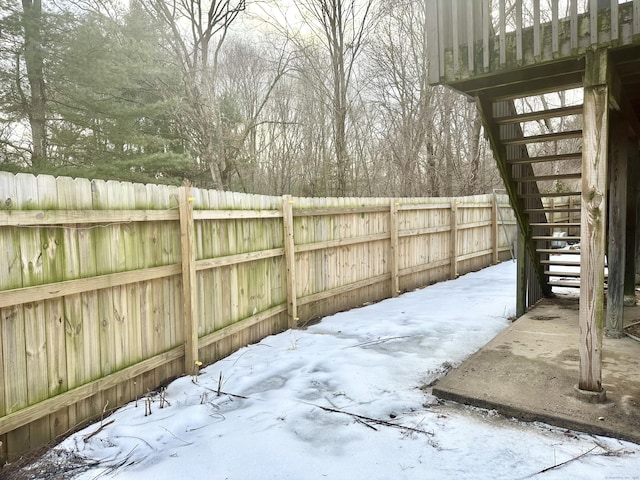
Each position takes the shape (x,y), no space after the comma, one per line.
(189,297)
(593,219)
(617,231)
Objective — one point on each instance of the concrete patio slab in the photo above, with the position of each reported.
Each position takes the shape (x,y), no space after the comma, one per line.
(530,372)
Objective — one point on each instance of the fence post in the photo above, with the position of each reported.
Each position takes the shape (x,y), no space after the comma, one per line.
(393,251)
(290,260)
(454,239)
(189,300)
(494,229)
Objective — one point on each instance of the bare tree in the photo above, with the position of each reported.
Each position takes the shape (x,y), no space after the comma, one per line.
(247,78)
(398,68)
(342,27)
(34,61)
(475,151)
(292,141)
(220,110)
(198,30)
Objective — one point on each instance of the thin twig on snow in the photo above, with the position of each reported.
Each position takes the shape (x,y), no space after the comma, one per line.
(558,465)
(373,420)
(87,437)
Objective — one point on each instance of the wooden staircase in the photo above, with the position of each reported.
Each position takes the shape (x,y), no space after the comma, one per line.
(539,153)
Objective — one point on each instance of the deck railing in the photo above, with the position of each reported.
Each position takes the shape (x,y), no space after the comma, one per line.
(468,38)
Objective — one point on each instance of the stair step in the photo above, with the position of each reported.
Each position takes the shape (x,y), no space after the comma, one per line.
(544,178)
(546,158)
(561,263)
(568,274)
(555,239)
(555,225)
(552,210)
(540,115)
(547,137)
(549,195)
(562,274)
(556,251)
(564,283)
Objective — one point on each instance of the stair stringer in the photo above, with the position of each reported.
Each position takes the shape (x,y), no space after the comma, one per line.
(502,153)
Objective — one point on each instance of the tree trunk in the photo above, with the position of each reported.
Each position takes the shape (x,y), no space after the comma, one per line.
(342,156)
(33,55)
(340,110)
(448,154)
(474,152)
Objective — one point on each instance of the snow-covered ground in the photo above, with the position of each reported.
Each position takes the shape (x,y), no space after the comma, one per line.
(347,398)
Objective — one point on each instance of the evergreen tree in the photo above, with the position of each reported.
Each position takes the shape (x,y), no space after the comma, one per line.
(111,117)
(109,113)
(16,139)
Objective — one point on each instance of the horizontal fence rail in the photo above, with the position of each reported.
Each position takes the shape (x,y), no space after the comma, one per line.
(110,289)
(472,37)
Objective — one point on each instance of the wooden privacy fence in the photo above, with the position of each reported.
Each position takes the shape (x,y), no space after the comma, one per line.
(109,289)
(567,212)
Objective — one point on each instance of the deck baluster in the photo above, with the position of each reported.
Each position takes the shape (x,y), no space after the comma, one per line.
(574,24)
(536,29)
(554,27)
(503,33)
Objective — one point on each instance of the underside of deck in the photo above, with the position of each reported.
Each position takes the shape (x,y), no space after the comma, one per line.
(560,75)
(571,169)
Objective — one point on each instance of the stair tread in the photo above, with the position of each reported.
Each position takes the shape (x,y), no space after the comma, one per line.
(562,273)
(556,210)
(546,178)
(540,115)
(561,263)
(545,137)
(546,158)
(557,251)
(549,195)
(564,283)
(555,225)
(552,238)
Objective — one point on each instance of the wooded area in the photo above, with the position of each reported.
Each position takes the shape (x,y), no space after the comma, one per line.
(108,289)
(311,98)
